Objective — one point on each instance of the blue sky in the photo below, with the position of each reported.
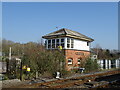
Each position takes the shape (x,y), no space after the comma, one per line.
(24,22)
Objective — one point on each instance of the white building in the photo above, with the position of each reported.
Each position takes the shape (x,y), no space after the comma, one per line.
(75,45)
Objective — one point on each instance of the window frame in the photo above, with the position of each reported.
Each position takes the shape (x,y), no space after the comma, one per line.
(71,62)
(49,43)
(62,43)
(72,43)
(63,40)
(68,42)
(45,43)
(88,43)
(53,43)
(79,61)
(57,42)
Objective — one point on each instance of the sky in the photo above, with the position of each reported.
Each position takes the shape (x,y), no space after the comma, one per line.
(29,21)
(119,26)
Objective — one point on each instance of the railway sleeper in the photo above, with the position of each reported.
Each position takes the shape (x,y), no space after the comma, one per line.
(92,83)
(83,78)
(44,86)
(101,84)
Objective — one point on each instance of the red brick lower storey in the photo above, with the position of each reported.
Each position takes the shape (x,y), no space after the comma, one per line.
(75,55)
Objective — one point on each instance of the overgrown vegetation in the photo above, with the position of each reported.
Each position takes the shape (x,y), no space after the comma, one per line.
(46,62)
(35,56)
(91,65)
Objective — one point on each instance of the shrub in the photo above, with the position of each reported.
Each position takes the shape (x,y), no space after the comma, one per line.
(91,65)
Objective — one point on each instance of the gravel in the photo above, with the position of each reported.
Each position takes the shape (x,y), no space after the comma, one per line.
(12,83)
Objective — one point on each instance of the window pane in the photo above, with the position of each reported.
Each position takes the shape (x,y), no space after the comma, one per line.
(49,41)
(71,45)
(57,40)
(78,61)
(53,41)
(62,40)
(68,45)
(68,40)
(87,43)
(62,45)
(49,46)
(72,41)
(69,61)
(53,45)
(57,45)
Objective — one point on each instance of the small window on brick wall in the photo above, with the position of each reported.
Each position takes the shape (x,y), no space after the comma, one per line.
(70,61)
(79,60)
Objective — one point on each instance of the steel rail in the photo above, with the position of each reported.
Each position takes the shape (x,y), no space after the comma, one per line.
(88,77)
(67,82)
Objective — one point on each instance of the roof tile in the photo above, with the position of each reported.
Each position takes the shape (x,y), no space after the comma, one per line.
(66,32)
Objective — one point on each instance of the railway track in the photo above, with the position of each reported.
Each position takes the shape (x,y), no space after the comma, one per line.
(86,81)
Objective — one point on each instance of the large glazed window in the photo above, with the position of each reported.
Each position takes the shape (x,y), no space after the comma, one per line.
(57,43)
(68,42)
(72,43)
(49,43)
(53,43)
(62,42)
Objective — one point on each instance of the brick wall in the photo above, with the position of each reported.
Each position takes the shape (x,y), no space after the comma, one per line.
(75,55)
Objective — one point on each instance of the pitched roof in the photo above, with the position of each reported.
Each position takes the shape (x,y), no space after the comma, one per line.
(67,33)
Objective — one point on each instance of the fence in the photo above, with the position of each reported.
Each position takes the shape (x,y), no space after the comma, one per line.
(108,64)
